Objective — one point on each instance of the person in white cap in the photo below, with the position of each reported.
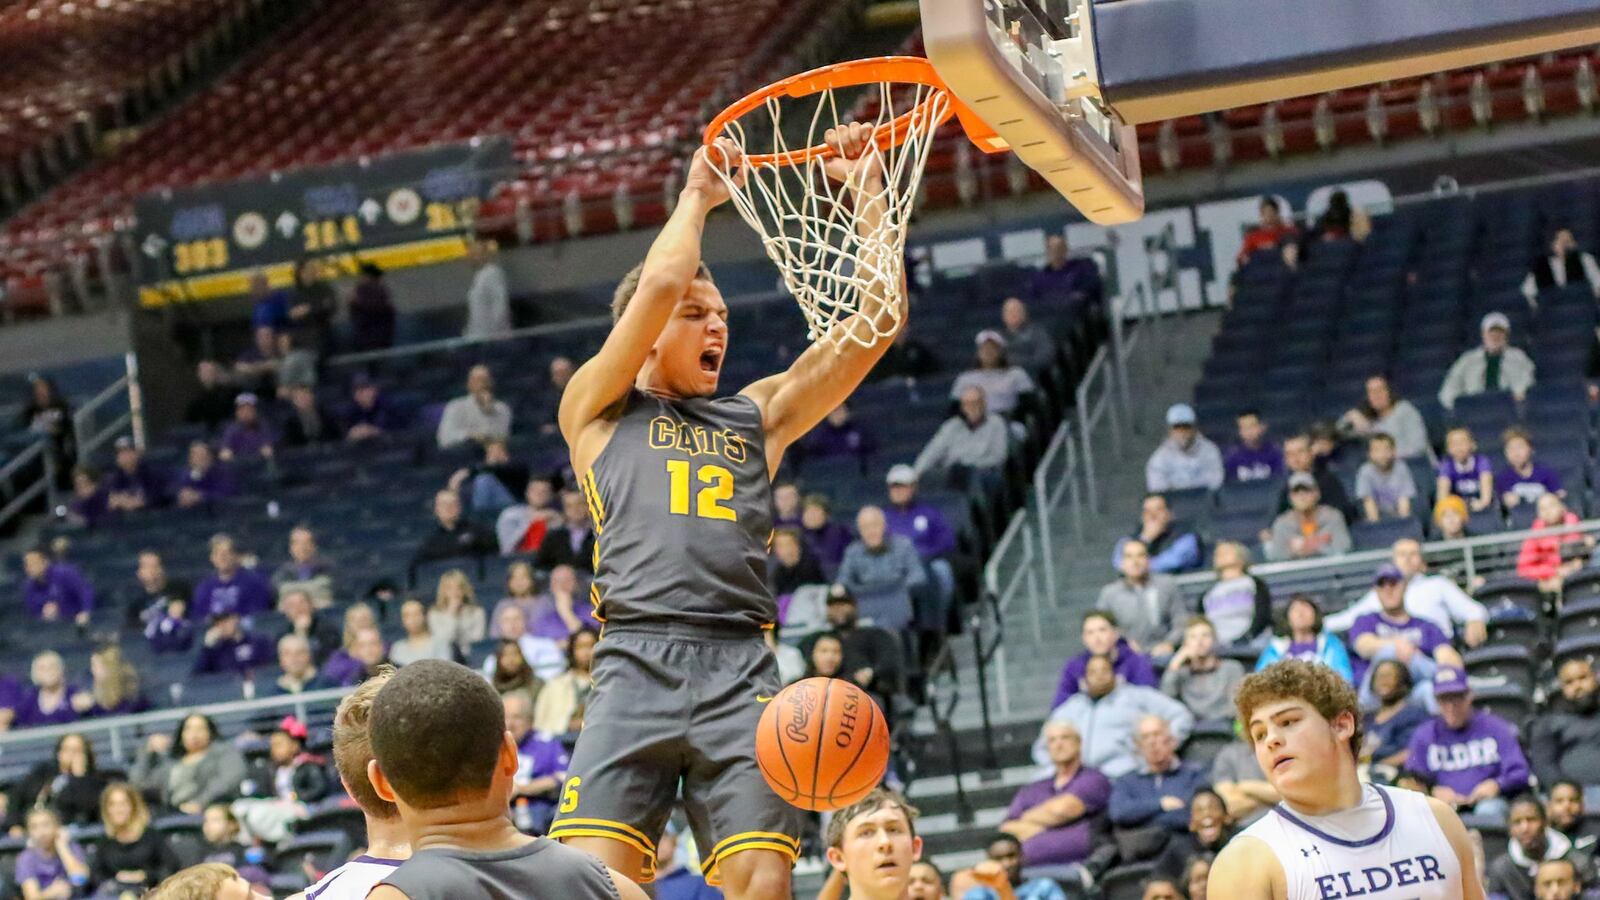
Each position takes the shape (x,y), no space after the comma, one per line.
(1186,459)
(1492,366)
(1003,384)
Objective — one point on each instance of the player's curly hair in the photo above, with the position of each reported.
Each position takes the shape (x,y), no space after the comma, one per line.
(630,286)
(1297,679)
(879,798)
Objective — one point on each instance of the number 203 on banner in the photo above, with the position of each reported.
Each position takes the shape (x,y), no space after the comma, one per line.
(203,255)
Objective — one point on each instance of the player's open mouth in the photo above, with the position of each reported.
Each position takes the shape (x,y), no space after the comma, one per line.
(711,360)
(888,865)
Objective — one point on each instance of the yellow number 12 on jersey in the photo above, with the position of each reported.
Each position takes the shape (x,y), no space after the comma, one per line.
(718,488)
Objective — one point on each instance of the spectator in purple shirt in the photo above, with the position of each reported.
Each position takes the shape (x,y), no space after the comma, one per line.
(928,530)
(232,587)
(1254,458)
(132,485)
(1471,756)
(55,591)
(561,611)
(1393,633)
(248,436)
(1523,480)
(11,700)
(826,538)
(1061,818)
(839,435)
(202,480)
(1101,638)
(49,701)
(52,864)
(1464,471)
(229,646)
(369,415)
(1074,283)
(361,660)
(87,508)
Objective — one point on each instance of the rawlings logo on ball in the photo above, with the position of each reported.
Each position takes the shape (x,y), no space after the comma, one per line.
(805,702)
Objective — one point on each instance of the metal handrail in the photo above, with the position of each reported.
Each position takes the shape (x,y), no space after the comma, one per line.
(116,733)
(1048,488)
(91,440)
(1090,413)
(27,495)
(1468,552)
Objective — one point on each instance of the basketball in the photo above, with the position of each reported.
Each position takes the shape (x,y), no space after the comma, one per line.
(822,744)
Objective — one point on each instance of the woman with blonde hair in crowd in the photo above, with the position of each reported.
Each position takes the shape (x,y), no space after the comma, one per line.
(132,856)
(456,616)
(49,701)
(114,688)
(420,642)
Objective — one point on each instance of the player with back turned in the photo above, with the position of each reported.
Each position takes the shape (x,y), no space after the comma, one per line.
(679,486)
(1333,837)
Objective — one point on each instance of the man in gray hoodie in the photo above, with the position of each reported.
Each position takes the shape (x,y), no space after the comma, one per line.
(1106,711)
(1148,607)
(1308,529)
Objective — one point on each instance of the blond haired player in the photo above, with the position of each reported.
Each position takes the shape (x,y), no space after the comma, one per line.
(1333,837)
(387,843)
(873,847)
(679,484)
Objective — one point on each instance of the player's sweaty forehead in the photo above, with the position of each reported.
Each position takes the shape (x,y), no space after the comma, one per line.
(703,296)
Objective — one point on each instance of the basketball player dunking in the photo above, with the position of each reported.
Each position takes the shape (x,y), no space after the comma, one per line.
(1333,837)
(679,486)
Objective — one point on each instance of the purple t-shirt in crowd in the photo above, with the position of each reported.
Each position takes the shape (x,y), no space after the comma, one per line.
(246,593)
(1530,487)
(549,624)
(1306,650)
(923,525)
(1132,666)
(62,585)
(828,544)
(44,870)
(244,653)
(1462,759)
(1422,634)
(540,756)
(1067,843)
(31,715)
(1253,463)
(1464,478)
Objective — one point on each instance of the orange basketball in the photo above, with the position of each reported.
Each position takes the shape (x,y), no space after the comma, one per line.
(822,744)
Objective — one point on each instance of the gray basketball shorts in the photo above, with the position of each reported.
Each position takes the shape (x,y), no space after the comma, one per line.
(669,713)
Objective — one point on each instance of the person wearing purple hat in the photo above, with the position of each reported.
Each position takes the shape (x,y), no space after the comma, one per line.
(1394,633)
(1471,756)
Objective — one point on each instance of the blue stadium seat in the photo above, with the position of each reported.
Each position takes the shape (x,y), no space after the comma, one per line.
(1381,535)
(1506,664)
(1258,498)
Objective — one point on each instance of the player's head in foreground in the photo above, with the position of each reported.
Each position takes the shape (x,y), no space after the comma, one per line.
(352,750)
(686,360)
(874,843)
(1303,722)
(440,748)
(206,881)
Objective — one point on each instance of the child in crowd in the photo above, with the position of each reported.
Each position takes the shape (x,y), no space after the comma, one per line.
(52,866)
(1465,472)
(1383,484)
(1523,480)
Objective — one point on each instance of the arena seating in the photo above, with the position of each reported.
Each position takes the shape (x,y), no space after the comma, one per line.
(1406,303)
(600,153)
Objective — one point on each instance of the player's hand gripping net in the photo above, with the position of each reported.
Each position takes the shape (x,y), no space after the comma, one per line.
(832,211)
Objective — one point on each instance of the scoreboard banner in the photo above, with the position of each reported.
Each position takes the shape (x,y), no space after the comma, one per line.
(400,209)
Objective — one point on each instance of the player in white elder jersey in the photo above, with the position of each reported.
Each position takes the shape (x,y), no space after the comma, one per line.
(1333,837)
(387,844)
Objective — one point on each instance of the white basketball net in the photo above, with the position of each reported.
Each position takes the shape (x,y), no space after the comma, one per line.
(834,260)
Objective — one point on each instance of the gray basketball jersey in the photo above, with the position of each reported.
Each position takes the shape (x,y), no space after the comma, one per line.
(682,505)
(542,870)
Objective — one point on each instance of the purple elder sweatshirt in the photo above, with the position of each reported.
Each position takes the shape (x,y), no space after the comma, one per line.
(1134,667)
(62,585)
(1462,759)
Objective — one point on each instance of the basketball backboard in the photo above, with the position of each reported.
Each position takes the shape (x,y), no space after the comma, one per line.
(1062,82)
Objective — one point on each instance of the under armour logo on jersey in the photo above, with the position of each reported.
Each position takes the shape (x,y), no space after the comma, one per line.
(1307,851)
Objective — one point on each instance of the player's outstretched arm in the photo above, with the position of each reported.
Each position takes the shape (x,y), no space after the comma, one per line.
(1246,869)
(828,372)
(626,889)
(1461,843)
(671,264)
